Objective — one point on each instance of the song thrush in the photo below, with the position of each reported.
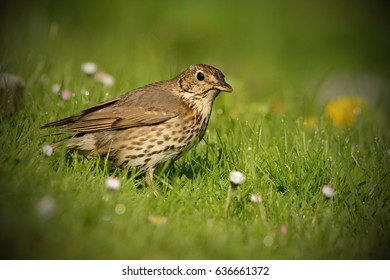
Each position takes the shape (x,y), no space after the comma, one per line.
(149,125)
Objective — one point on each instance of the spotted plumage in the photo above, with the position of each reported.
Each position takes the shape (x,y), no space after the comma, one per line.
(149,125)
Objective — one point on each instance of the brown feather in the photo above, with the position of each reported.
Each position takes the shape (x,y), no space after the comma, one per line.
(84,112)
(151,104)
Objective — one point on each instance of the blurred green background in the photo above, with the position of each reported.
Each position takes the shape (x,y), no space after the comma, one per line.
(298,53)
(256,42)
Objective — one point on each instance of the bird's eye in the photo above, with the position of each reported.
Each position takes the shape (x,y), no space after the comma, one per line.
(200,76)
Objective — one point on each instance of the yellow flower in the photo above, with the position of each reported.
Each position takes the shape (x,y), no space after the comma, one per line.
(344,111)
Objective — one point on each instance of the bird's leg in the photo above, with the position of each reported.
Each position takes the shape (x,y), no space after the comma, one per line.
(149,181)
(149,177)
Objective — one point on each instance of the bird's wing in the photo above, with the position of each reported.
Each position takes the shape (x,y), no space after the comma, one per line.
(145,106)
(73,118)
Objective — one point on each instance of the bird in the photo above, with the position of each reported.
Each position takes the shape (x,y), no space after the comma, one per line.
(149,125)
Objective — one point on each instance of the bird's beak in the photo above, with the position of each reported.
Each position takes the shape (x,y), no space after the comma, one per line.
(224,86)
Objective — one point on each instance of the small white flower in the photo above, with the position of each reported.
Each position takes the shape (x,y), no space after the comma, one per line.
(388,152)
(45,208)
(47,150)
(237,178)
(105,78)
(113,183)
(328,191)
(66,94)
(55,88)
(256,198)
(89,68)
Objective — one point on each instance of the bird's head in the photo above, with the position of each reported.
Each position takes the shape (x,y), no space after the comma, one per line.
(202,80)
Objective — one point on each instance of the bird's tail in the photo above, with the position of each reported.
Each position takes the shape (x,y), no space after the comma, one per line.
(86,144)
(57,144)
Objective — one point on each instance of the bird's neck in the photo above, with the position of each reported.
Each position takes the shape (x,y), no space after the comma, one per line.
(201,103)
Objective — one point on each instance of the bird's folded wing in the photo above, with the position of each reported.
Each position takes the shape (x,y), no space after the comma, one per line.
(73,118)
(112,118)
(141,107)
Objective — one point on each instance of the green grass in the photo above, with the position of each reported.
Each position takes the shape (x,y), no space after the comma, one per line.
(284,160)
